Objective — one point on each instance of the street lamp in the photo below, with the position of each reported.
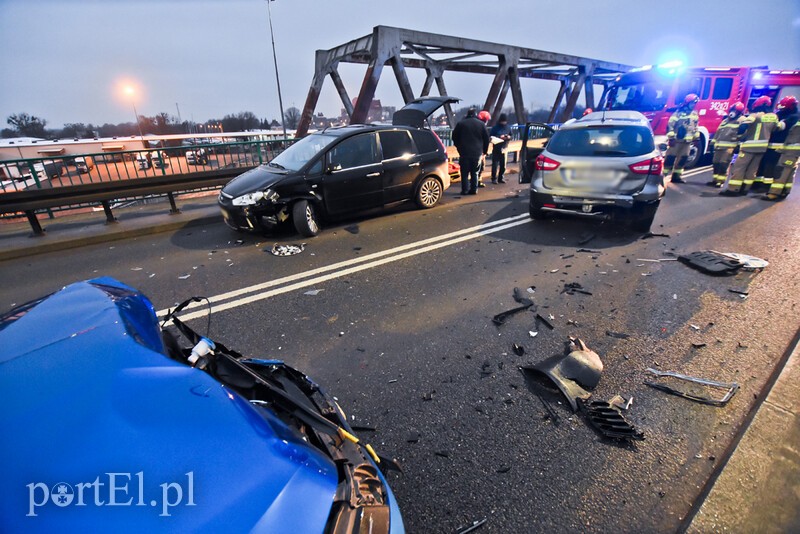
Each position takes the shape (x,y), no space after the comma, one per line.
(130,92)
(275,60)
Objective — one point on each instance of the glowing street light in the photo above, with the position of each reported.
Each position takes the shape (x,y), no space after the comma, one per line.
(131,92)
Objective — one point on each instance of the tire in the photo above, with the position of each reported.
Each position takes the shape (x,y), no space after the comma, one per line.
(536,213)
(643,217)
(429,192)
(696,153)
(304,216)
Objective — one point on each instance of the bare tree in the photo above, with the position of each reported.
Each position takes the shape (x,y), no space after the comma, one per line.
(27,125)
(292,117)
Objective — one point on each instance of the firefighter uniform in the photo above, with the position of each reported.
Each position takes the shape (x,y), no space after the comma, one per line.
(682,131)
(725,140)
(786,168)
(754,143)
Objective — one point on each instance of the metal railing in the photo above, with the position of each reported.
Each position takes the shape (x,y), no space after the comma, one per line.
(32,186)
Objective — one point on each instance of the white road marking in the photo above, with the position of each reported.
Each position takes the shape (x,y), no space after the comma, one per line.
(466,233)
(694,172)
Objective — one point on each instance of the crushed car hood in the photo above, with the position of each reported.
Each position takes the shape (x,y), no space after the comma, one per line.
(256,179)
(87,390)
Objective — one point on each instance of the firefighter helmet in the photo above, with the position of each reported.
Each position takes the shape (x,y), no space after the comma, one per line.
(738,107)
(484,116)
(788,103)
(762,101)
(691,98)
(587,111)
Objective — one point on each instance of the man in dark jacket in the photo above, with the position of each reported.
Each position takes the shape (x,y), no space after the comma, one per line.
(471,139)
(501,133)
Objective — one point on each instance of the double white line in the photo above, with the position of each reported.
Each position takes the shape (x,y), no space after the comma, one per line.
(695,172)
(254,293)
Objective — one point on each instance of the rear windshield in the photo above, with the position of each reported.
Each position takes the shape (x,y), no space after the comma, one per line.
(609,141)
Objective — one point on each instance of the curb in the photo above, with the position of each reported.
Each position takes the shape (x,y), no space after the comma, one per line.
(103,237)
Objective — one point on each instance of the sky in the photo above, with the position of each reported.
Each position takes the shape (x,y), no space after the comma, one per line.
(68,60)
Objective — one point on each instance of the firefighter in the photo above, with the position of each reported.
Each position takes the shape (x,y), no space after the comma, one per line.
(786,110)
(724,143)
(682,131)
(758,126)
(788,148)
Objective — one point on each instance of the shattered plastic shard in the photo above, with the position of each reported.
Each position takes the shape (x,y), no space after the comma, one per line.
(573,373)
(607,418)
(287,250)
(711,262)
(729,388)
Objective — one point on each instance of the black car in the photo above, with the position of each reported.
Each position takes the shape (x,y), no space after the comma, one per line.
(338,171)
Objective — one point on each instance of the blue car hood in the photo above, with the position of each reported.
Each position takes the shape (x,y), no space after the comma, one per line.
(99,430)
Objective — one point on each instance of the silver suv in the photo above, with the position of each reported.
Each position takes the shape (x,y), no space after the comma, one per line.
(604,165)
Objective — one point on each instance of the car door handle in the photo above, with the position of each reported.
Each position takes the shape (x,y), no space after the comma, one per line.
(414,164)
(373,174)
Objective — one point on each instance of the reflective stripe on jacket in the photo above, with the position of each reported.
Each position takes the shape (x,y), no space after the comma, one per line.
(727,135)
(686,121)
(759,128)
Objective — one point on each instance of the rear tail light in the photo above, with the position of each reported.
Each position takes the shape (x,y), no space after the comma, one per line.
(649,166)
(543,163)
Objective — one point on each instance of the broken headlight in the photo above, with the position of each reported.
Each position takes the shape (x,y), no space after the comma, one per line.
(251,199)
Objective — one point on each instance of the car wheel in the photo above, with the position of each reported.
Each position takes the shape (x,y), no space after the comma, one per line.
(536,213)
(643,216)
(429,192)
(304,216)
(695,153)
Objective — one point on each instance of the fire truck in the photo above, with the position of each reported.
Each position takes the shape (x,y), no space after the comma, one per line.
(657,90)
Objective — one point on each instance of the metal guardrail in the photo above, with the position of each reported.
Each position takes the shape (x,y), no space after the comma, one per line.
(31,186)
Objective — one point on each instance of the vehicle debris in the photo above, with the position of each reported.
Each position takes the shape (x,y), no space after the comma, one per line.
(574,287)
(589,251)
(519,350)
(287,250)
(729,388)
(711,262)
(314,292)
(353,229)
(750,263)
(739,292)
(521,298)
(618,335)
(185,276)
(607,418)
(699,345)
(658,260)
(574,373)
(532,333)
(442,454)
(648,235)
(545,321)
(475,525)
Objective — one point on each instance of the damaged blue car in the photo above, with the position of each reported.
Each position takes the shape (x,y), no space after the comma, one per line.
(115,421)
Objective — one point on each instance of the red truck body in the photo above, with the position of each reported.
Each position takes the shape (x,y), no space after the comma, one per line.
(656,91)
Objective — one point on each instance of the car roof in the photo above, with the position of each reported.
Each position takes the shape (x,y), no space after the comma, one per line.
(608,118)
(341,131)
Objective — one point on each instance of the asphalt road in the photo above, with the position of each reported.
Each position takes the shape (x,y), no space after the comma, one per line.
(401,332)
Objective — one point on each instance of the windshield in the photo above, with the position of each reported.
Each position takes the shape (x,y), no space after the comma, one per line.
(298,154)
(611,141)
(648,96)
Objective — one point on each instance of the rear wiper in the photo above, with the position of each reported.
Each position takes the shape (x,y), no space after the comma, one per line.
(276,165)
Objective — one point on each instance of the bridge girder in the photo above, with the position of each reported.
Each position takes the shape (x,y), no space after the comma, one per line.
(435,53)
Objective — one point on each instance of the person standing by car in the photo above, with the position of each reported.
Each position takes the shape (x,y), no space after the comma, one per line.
(485,116)
(724,143)
(788,153)
(682,131)
(501,130)
(471,139)
(758,128)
